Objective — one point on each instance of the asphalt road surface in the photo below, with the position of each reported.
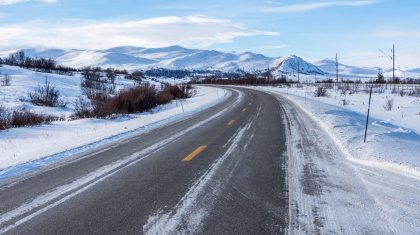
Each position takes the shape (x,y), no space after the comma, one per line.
(220,171)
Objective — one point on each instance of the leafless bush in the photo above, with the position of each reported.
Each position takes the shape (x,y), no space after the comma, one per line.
(321,91)
(6,80)
(132,100)
(344,88)
(389,104)
(9,119)
(82,108)
(414,92)
(164,97)
(46,95)
(402,92)
(93,82)
(4,118)
(345,102)
(395,90)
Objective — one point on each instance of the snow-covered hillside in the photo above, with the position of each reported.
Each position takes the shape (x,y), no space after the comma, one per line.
(329,66)
(135,58)
(345,71)
(177,57)
(173,57)
(293,64)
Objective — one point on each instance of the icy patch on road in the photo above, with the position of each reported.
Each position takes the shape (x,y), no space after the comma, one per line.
(187,216)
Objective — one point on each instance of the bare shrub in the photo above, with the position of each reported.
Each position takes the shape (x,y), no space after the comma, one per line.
(414,92)
(26,118)
(164,97)
(321,91)
(379,89)
(345,102)
(136,99)
(344,88)
(93,82)
(4,118)
(9,119)
(389,104)
(6,80)
(395,90)
(402,92)
(82,108)
(46,95)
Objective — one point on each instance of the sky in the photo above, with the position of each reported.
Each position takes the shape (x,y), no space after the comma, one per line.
(313,30)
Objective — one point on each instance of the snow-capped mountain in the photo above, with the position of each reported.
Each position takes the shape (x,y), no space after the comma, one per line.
(293,63)
(329,66)
(177,57)
(173,57)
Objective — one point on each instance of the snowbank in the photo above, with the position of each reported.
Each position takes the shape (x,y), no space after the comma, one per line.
(393,140)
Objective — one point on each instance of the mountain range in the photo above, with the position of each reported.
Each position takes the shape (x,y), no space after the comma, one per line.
(177,57)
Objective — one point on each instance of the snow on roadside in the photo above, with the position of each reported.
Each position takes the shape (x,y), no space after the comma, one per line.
(64,138)
(61,139)
(393,140)
(338,184)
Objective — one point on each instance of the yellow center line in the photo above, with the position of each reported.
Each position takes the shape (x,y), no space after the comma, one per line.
(194,153)
(244,110)
(231,122)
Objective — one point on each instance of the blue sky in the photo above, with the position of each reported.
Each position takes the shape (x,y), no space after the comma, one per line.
(315,30)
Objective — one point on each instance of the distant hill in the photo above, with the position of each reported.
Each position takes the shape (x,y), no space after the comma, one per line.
(177,57)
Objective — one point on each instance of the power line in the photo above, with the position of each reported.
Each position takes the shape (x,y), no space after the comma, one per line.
(392,57)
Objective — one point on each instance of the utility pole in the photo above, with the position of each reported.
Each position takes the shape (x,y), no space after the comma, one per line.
(298,71)
(392,57)
(393,63)
(368,112)
(336,67)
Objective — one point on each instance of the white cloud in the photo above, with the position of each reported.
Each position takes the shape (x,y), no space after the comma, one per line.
(192,31)
(275,46)
(303,7)
(11,2)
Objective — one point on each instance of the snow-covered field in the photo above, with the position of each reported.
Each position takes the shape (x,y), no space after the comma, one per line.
(21,147)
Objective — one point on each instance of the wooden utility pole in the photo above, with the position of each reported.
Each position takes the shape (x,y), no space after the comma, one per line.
(392,57)
(336,67)
(367,117)
(393,63)
(298,71)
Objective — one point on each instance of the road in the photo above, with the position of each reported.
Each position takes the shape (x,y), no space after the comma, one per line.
(221,171)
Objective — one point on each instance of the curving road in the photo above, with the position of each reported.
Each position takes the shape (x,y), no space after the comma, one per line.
(221,171)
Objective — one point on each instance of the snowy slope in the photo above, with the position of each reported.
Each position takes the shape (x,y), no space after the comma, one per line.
(293,64)
(329,66)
